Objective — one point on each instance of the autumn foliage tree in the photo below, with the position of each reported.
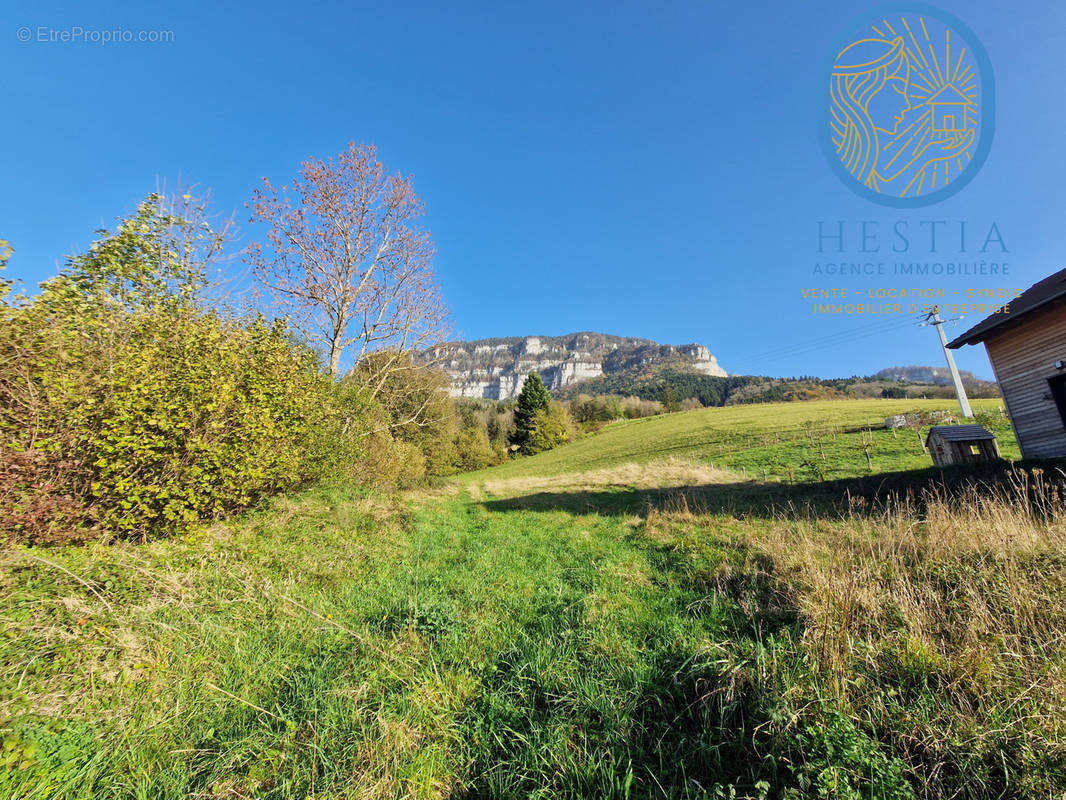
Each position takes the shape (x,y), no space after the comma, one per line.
(345,259)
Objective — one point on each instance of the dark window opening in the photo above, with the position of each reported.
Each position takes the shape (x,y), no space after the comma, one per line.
(1058,392)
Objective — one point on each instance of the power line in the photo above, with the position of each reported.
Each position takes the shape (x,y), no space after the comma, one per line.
(830,341)
(832,338)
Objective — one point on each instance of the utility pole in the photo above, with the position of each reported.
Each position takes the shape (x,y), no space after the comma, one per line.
(933,318)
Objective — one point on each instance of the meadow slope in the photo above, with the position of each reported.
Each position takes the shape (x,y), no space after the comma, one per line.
(769,436)
(630,627)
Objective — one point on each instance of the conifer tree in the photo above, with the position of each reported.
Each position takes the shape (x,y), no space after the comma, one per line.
(532,399)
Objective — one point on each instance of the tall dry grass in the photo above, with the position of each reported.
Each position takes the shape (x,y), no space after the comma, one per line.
(938,616)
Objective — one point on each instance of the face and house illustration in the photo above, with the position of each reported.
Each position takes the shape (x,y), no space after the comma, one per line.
(905,106)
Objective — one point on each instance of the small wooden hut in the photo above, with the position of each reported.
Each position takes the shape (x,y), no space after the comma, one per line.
(961,444)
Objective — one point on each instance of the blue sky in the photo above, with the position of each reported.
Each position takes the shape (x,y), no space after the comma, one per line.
(645,169)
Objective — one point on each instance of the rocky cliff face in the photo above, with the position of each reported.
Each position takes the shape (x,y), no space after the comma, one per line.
(496,368)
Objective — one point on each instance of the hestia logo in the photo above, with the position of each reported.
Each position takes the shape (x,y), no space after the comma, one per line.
(907,101)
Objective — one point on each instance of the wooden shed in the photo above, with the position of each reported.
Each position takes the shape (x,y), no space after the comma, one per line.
(961,444)
(1026,344)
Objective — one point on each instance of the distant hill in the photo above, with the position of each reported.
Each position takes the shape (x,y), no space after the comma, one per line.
(496,368)
(663,382)
(939,376)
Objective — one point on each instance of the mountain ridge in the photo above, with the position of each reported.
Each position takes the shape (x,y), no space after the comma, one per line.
(496,367)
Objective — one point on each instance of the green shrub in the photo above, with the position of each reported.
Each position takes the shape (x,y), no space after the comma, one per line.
(413,407)
(550,428)
(473,449)
(128,406)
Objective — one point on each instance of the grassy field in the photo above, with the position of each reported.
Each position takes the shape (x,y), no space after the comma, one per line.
(829,434)
(634,626)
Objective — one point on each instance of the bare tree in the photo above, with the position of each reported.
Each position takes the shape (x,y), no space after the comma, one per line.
(345,258)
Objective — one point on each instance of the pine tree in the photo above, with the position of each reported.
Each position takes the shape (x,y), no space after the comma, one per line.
(533,398)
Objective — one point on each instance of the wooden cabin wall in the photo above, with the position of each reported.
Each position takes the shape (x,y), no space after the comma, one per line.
(1023,357)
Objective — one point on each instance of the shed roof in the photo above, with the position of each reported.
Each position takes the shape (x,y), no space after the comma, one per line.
(961,433)
(1039,294)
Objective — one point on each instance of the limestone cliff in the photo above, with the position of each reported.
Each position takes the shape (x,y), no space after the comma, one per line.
(496,368)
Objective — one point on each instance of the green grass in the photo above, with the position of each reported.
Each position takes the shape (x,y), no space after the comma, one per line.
(770,436)
(514,644)
(490,654)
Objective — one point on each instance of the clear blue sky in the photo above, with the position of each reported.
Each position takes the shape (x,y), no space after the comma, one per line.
(647,169)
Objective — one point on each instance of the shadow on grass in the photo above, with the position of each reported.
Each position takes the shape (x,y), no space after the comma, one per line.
(569,710)
(732,707)
(680,728)
(658,713)
(1029,482)
(712,695)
